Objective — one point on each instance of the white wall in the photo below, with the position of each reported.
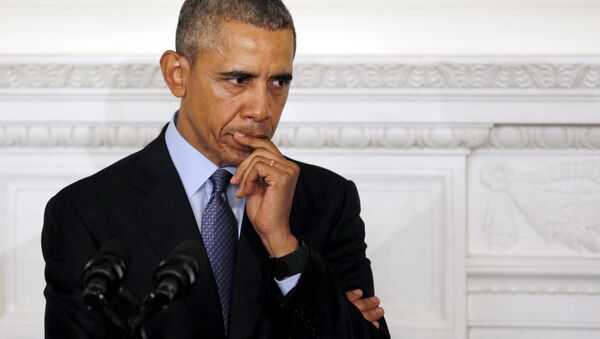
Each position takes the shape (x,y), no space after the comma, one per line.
(479,174)
(350,27)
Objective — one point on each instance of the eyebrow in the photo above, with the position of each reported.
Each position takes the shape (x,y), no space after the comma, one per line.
(283,77)
(238,74)
(249,75)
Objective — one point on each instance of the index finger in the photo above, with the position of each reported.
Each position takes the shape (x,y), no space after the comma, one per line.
(354,295)
(256,143)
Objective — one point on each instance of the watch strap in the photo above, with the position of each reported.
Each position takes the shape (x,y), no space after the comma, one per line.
(291,263)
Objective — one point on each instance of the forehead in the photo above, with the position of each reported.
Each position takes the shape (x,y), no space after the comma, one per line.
(246,46)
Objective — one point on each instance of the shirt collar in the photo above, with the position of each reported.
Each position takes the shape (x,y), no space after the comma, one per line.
(193,167)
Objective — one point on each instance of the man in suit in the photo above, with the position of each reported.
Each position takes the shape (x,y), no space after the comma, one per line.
(282,241)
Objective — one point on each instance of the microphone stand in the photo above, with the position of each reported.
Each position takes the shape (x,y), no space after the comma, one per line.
(102,307)
(133,328)
(155,302)
(173,278)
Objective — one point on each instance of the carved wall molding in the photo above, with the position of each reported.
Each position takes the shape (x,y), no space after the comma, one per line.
(133,135)
(353,136)
(544,137)
(533,289)
(511,75)
(551,276)
(450,76)
(77,135)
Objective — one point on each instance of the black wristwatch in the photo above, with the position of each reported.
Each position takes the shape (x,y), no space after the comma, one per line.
(291,263)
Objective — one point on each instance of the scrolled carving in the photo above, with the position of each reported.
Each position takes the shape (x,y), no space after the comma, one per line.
(52,76)
(457,76)
(322,76)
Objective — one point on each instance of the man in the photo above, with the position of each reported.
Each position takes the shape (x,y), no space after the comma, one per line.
(283,240)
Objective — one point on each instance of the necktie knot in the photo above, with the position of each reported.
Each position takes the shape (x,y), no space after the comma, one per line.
(220,180)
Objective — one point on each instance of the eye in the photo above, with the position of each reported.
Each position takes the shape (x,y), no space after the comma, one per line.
(238,81)
(280,83)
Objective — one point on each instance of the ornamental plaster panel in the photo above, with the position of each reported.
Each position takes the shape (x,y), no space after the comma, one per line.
(531,204)
(503,76)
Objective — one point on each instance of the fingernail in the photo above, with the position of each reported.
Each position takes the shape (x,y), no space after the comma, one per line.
(379,310)
(376,324)
(357,292)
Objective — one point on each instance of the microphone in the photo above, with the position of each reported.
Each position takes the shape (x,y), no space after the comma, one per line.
(104,272)
(177,272)
(173,278)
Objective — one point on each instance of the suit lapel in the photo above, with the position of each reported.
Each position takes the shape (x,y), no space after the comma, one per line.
(167,219)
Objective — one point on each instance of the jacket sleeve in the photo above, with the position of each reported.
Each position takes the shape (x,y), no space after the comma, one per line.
(67,245)
(317,307)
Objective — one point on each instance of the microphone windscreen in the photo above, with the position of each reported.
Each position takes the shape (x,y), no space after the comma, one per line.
(118,248)
(190,247)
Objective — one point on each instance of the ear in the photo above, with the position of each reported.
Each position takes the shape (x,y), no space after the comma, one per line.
(175,69)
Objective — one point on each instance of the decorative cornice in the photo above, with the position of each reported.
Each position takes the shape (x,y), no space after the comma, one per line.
(480,76)
(381,137)
(77,135)
(55,76)
(449,76)
(133,135)
(99,135)
(544,137)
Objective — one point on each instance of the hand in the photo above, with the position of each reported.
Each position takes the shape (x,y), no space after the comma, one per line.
(369,307)
(268,180)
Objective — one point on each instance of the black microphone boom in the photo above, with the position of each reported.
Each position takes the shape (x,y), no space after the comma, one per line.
(104,272)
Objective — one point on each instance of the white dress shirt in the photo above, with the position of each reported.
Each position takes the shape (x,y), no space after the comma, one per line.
(194,170)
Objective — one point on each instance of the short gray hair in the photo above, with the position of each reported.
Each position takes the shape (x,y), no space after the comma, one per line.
(199,20)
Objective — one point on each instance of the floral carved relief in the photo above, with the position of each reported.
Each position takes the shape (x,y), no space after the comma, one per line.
(561,203)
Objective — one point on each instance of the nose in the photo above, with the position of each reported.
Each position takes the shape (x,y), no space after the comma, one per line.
(258,104)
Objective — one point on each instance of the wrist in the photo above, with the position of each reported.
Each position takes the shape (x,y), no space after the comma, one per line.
(291,263)
(279,245)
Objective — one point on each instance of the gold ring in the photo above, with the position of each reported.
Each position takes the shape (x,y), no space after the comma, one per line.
(272,163)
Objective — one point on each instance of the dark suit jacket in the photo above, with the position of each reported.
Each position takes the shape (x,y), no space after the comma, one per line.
(141,200)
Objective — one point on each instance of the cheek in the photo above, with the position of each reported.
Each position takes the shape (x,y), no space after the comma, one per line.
(224,117)
(277,106)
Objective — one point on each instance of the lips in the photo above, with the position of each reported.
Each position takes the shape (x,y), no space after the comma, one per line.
(255,135)
(237,146)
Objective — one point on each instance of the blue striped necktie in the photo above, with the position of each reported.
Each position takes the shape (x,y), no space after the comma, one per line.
(219,233)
